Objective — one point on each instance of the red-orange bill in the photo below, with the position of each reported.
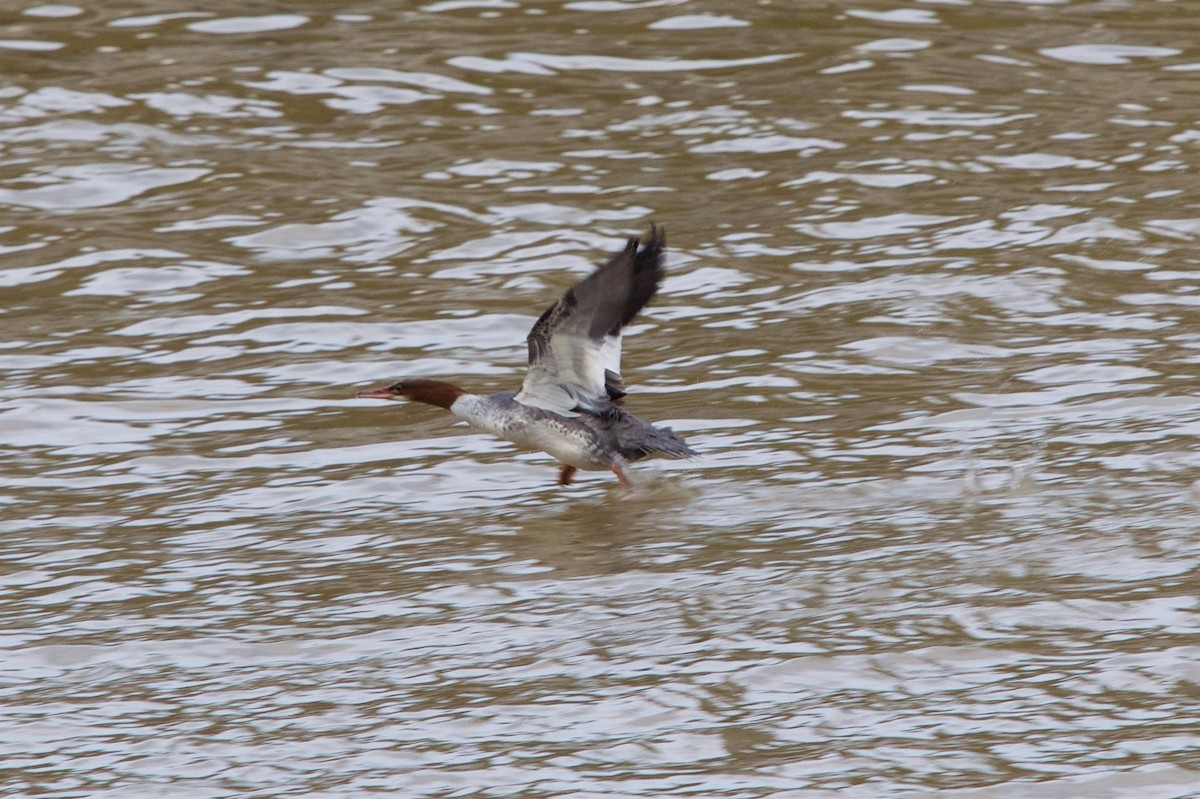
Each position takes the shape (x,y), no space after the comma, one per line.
(376,393)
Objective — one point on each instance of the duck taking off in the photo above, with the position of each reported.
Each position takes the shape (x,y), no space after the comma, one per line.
(571,403)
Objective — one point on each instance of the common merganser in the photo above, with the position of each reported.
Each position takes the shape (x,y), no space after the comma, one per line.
(570,403)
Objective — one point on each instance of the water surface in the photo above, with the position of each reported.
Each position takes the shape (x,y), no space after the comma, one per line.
(931,319)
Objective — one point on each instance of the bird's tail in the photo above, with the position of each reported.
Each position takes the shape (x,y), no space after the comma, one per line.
(659,441)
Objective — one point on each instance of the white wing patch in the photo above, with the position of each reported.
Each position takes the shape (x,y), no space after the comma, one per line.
(610,355)
(571,374)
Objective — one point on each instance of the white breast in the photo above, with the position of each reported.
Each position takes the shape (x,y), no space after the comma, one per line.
(565,439)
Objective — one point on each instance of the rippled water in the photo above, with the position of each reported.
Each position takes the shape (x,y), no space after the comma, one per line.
(931,319)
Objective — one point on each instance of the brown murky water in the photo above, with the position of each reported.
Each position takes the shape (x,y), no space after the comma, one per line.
(932,319)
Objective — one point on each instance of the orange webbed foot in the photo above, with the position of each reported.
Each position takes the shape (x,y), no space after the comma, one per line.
(621,478)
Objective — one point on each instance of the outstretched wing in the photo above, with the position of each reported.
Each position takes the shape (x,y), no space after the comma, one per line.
(575,346)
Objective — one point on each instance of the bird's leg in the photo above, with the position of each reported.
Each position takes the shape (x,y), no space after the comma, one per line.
(566,474)
(620,473)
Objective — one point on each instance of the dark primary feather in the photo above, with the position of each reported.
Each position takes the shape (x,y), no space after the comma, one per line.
(614,387)
(612,295)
